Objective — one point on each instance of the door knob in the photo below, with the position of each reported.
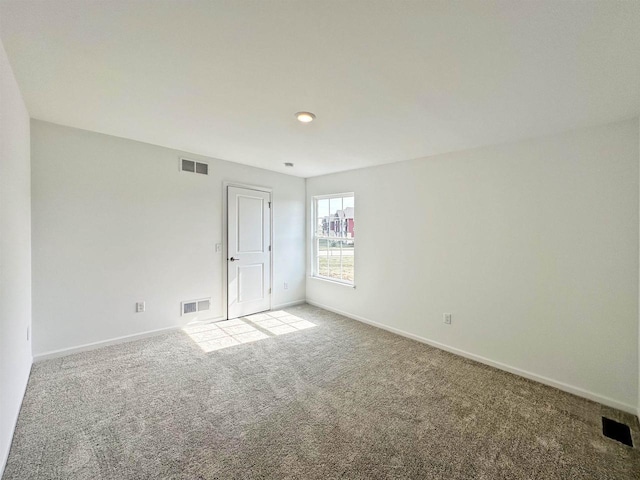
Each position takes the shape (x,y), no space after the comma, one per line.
(234,259)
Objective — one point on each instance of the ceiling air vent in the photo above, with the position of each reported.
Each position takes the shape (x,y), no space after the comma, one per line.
(194,306)
(192,166)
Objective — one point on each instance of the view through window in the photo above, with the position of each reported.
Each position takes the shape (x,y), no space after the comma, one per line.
(334,237)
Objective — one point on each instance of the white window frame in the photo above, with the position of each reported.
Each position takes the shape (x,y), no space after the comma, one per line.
(315,238)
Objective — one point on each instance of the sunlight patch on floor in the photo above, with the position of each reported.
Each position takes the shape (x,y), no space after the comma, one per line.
(228,333)
(280,322)
(215,336)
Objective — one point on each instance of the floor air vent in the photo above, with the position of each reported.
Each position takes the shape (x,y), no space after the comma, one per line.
(194,306)
(617,431)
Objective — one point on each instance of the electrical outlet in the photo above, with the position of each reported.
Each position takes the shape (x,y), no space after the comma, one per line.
(447,318)
(140,306)
(218,247)
(286,286)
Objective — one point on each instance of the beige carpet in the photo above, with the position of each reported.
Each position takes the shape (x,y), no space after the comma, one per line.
(302,394)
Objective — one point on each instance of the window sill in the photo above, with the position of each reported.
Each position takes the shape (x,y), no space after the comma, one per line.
(335,282)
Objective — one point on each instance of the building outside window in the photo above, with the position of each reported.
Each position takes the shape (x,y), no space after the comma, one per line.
(334,237)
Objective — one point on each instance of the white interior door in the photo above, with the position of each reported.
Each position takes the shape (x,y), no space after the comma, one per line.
(248,251)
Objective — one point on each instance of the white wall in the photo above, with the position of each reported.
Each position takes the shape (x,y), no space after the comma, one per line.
(15,254)
(115,222)
(533,246)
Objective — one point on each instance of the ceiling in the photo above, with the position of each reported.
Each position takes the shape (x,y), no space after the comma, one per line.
(388,80)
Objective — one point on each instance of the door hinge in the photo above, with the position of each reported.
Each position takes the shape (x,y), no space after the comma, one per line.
(269,291)
(269,247)
(269,204)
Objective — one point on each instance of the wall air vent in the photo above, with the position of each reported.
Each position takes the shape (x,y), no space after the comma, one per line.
(204,305)
(192,166)
(194,306)
(202,168)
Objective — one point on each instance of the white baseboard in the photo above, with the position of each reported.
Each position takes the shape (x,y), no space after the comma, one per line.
(288,304)
(508,368)
(5,455)
(112,341)
(136,336)
(580,392)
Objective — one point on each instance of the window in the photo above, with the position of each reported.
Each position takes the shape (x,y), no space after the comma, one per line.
(334,237)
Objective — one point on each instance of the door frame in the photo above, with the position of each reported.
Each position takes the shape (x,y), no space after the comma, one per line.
(225,241)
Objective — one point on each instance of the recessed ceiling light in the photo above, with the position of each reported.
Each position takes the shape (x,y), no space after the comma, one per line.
(288,164)
(305,117)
